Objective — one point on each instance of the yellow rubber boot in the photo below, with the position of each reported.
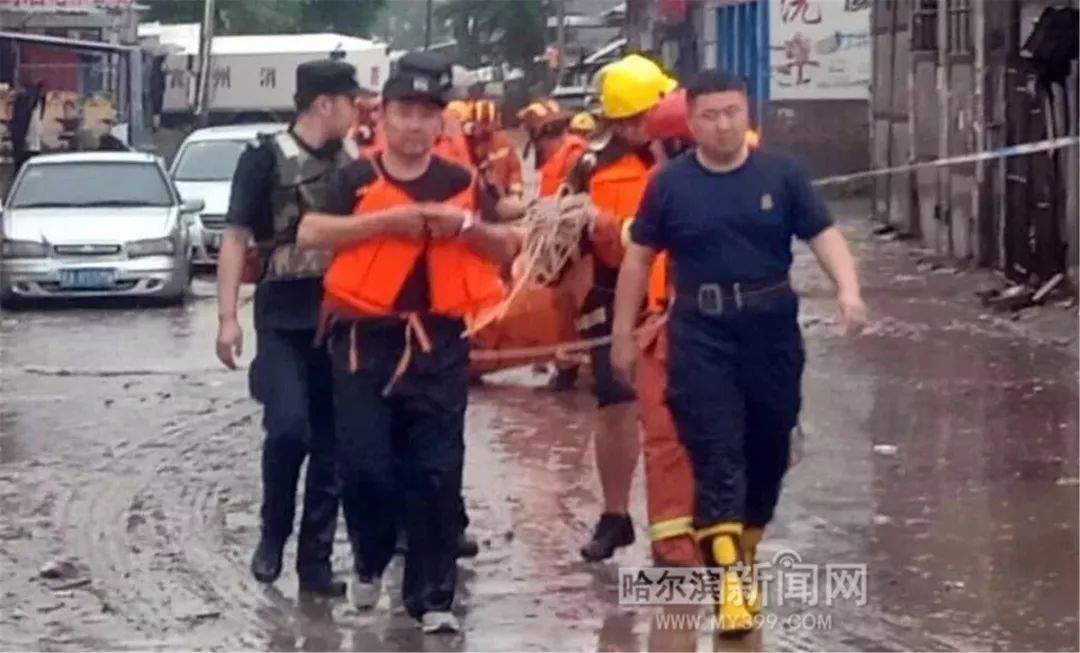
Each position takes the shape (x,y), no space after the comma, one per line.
(751,537)
(732,617)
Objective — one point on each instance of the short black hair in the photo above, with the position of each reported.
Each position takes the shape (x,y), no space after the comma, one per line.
(714,81)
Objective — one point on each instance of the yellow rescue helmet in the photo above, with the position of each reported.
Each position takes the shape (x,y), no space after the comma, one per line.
(459,109)
(540,114)
(631,86)
(583,123)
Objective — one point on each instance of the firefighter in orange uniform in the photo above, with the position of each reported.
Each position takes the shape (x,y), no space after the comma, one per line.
(492,152)
(609,181)
(411,265)
(556,149)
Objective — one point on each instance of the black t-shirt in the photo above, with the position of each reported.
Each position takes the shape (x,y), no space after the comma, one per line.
(442,181)
(289,304)
(732,226)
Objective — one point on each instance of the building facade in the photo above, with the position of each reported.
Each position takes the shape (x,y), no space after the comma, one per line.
(807,63)
(956,77)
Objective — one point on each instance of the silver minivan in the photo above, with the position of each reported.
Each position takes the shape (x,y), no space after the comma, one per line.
(203,169)
(93,224)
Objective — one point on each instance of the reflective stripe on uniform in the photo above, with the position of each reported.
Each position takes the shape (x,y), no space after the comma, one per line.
(723,528)
(668,528)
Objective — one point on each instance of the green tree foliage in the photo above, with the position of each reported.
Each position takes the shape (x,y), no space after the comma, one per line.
(497,31)
(402,24)
(353,17)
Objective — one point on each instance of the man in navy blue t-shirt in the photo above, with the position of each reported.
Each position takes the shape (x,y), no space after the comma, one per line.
(726,216)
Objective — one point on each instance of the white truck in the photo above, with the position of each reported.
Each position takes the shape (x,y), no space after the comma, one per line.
(255,74)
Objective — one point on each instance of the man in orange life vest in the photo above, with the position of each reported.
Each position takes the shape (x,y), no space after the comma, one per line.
(413,263)
(493,153)
(609,181)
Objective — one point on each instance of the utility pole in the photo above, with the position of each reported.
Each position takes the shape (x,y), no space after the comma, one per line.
(427,26)
(202,87)
(560,39)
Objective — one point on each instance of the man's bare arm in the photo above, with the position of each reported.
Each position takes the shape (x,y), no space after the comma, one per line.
(832,252)
(335,232)
(629,293)
(496,242)
(230,267)
(632,285)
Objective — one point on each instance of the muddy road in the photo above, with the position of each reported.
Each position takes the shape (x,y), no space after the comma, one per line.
(941,453)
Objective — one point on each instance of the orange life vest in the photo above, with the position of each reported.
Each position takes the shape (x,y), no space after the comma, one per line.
(616,189)
(558,166)
(365,280)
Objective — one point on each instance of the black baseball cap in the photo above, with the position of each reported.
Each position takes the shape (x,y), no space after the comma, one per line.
(325,77)
(420,76)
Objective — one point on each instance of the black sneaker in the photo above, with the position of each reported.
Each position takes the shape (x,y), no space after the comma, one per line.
(612,531)
(467,546)
(319,581)
(266,563)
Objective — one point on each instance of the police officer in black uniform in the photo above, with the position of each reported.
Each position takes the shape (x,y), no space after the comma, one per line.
(277,178)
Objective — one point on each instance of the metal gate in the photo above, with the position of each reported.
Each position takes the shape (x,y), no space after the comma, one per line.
(742,33)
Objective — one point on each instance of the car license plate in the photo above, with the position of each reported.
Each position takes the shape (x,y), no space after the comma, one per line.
(90,278)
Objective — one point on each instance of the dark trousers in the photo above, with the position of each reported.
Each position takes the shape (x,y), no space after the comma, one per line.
(735,395)
(403,450)
(292,379)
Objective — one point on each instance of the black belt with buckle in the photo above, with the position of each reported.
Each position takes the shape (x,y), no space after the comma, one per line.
(711,298)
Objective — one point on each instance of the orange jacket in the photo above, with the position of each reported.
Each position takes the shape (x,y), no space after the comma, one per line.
(365,280)
(558,166)
(502,167)
(616,190)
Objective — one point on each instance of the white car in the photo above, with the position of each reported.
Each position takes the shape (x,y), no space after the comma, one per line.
(94,224)
(203,169)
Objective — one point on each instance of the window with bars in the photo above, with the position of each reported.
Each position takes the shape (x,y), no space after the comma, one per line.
(924,26)
(960,41)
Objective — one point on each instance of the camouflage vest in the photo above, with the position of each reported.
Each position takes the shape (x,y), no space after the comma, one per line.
(302,181)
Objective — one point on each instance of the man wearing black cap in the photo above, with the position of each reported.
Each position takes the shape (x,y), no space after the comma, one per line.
(412,265)
(277,178)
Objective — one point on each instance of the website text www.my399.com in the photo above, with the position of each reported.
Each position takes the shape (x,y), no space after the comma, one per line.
(702,621)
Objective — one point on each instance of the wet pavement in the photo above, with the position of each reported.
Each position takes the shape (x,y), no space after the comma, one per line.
(941,453)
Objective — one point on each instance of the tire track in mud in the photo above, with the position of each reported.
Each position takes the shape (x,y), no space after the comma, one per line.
(106,512)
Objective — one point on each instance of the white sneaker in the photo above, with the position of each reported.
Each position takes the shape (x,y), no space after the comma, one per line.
(365,592)
(440,622)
